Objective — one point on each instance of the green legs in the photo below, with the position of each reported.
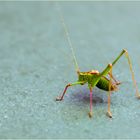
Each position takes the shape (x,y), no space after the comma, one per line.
(60,98)
(106,71)
(96,77)
(114,62)
(108,68)
(131,69)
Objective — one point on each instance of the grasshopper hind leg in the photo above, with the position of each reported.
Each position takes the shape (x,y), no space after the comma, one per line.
(132,73)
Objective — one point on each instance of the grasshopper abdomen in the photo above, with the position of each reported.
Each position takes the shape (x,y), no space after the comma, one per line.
(104,84)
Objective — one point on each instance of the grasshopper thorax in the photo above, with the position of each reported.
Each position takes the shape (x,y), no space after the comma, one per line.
(89,76)
(94,72)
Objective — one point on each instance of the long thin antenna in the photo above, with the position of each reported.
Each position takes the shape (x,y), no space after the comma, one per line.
(68,37)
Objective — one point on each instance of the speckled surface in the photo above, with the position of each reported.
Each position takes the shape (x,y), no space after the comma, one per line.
(36,64)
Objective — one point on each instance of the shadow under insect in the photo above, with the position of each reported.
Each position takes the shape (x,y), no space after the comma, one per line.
(77,96)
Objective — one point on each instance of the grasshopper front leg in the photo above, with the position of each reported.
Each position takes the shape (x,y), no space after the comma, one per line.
(60,98)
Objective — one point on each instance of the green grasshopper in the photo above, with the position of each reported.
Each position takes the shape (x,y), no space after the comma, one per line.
(99,79)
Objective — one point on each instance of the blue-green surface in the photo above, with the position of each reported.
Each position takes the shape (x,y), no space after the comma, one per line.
(36,64)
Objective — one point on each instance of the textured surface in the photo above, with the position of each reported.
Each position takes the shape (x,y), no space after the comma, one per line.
(36,64)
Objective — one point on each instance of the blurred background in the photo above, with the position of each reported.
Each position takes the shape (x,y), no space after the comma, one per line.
(36,64)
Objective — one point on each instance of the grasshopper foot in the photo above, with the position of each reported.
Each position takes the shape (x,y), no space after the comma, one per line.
(59,98)
(109,114)
(90,114)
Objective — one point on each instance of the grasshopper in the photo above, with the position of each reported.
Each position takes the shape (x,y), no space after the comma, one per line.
(99,79)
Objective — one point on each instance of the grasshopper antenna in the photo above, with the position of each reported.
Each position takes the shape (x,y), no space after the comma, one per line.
(68,37)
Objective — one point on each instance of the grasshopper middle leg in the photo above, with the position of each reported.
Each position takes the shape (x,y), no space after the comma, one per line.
(90,113)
